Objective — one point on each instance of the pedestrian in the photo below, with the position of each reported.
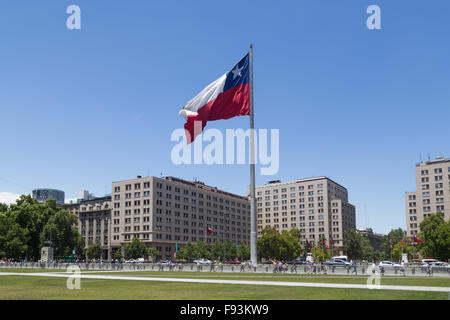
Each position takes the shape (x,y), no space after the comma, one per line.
(402,268)
(373,266)
(355,270)
(275,266)
(242,267)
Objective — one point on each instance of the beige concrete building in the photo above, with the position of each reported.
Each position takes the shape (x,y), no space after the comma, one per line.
(94,222)
(164,212)
(432,193)
(318,207)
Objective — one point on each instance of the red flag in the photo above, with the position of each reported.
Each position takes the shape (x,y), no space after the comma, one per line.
(417,240)
(227,97)
(209,229)
(332,243)
(308,244)
(323,242)
(390,241)
(402,243)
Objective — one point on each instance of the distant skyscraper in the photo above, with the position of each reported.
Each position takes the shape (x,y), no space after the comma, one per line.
(44,194)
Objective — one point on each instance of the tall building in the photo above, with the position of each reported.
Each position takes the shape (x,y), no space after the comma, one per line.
(44,194)
(318,207)
(432,193)
(169,212)
(94,222)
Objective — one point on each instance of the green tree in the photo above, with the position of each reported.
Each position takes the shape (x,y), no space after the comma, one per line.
(230,250)
(135,249)
(243,252)
(94,251)
(13,238)
(321,254)
(187,252)
(200,250)
(269,244)
(352,245)
(290,245)
(64,235)
(153,252)
(435,234)
(394,236)
(118,254)
(218,250)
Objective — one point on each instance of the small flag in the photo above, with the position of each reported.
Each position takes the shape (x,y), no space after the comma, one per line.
(209,229)
(402,243)
(390,241)
(308,244)
(417,240)
(332,243)
(323,242)
(227,97)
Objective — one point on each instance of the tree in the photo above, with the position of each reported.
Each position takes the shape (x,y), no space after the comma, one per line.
(218,250)
(187,252)
(94,251)
(152,252)
(64,235)
(352,244)
(243,252)
(269,244)
(135,249)
(13,238)
(290,244)
(200,250)
(435,234)
(394,236)
(230,250)
(118,254)
(321,254)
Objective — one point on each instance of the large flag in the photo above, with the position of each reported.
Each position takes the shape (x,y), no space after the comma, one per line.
(227,97)
(417,240)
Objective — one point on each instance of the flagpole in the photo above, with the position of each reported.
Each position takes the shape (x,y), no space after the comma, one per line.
(253,236)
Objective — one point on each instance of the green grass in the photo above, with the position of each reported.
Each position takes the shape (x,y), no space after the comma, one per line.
(29,287)
(406,281)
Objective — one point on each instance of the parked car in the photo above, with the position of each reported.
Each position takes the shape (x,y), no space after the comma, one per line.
(203,261)
(436,266)
(389,265)
(337,263)
(296,261)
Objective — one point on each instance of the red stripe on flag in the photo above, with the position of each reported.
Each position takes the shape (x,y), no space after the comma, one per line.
(228,104)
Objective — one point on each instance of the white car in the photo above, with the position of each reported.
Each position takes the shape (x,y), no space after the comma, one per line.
(203,261)
(389,265)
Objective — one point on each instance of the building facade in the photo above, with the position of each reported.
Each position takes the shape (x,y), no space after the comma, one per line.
(94,222)
(432,193)
(44,194)
(166,213)
(318,207)
(375,239)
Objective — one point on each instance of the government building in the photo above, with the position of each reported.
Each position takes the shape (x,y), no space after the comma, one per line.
(168,212)
(432,193)
(318,207)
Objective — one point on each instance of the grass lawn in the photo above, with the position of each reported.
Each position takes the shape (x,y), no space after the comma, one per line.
(29,287)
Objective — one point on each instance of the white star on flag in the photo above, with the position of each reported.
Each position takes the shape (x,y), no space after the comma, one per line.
(237,71)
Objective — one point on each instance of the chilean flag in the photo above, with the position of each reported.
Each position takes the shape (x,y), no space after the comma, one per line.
(417,240)
(227,97)
(209,229)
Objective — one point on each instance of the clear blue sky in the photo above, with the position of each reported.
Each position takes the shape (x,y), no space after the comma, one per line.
(82,108)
